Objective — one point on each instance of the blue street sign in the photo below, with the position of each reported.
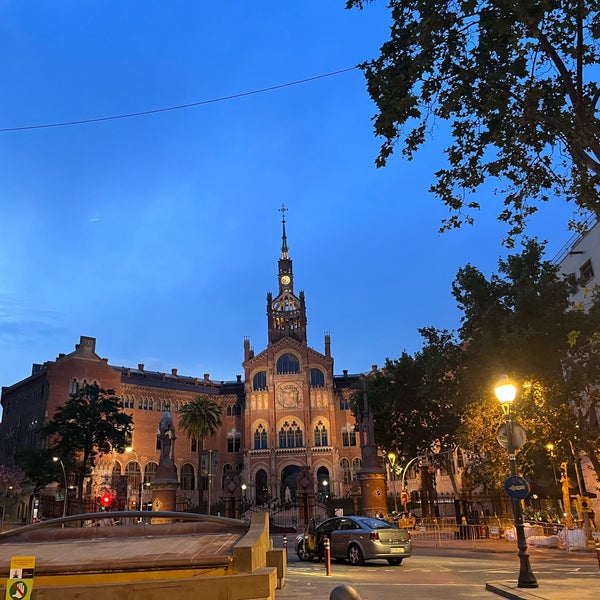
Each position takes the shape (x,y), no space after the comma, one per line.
(516,487)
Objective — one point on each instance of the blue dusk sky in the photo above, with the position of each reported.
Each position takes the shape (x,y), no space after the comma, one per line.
(159,234)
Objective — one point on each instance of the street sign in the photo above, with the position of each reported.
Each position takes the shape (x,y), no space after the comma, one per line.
(519,437)
(516,487)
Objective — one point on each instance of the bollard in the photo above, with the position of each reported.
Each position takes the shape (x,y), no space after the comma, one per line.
(285,547)
(344,592)
(327,548)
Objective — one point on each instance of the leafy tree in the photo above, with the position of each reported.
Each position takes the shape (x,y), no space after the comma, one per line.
(90,423)
(517,322)
(199,419)
(38,466)
(11,479)
(582,374)
(516,80)
(415,400)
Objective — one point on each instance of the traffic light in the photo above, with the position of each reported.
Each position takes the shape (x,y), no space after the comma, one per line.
(105,501)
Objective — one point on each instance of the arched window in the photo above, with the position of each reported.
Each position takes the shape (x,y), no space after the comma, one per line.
(317,378)
(260,438)
(321,435)
(227,469)
(356,466)
(288,363)
(346,471)
(290,436)
(234,410)
(74,386)
(187,477)
(150,472)
(133,474)
(259,381)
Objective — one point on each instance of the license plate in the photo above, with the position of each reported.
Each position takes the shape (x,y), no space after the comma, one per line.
(397,550)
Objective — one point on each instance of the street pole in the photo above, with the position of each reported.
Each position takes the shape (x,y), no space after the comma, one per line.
(209,473)
(526,577)
(403,477)
(65,497)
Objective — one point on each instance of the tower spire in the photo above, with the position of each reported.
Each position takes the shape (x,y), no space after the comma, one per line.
(284,246)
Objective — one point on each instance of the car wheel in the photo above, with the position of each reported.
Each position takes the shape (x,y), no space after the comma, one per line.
(394,561)
(355,555)
(302,553)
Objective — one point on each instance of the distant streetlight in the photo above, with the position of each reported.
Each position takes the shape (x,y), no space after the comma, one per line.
(506,393)
(65,497)
(130,449)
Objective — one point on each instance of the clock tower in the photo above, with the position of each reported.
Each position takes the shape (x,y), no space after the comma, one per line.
(286,313)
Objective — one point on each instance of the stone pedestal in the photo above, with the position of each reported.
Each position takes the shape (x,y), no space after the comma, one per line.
(374,490)
(164,491)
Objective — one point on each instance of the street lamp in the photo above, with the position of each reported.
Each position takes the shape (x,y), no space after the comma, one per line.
(392,461)
(403,480)
(506,393)
(130,449)
(65,497)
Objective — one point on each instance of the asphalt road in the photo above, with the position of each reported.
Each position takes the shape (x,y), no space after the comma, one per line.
(433,573)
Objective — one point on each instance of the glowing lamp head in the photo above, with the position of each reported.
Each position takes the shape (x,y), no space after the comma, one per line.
(505,392)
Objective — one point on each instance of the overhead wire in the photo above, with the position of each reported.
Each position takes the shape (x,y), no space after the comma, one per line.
(179,106)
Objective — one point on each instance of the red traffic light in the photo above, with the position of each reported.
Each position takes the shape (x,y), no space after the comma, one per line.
(105,500)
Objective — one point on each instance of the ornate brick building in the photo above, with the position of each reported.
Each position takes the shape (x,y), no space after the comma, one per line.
(289,412)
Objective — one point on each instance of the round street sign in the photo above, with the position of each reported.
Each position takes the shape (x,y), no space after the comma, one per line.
(519,437)
(516,487)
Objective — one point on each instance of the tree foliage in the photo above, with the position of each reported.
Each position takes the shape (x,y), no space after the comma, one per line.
(38,466)
(515,79)
(413,398)
(90,423)
(519,322)
(199,419)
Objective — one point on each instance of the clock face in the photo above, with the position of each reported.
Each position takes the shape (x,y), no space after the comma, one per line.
(285,280)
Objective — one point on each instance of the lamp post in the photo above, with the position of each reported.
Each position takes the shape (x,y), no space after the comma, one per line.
(506,392)
(403,480)
(65,497)
(392,462)
(129,449)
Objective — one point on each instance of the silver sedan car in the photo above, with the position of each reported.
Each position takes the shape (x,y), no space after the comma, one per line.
(356,539)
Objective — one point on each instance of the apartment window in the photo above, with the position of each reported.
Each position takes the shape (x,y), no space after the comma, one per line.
(586,272)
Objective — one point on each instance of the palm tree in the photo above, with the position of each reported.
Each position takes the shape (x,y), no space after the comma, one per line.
(199,419)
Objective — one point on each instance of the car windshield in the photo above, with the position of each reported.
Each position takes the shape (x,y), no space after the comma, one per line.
(376,524)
